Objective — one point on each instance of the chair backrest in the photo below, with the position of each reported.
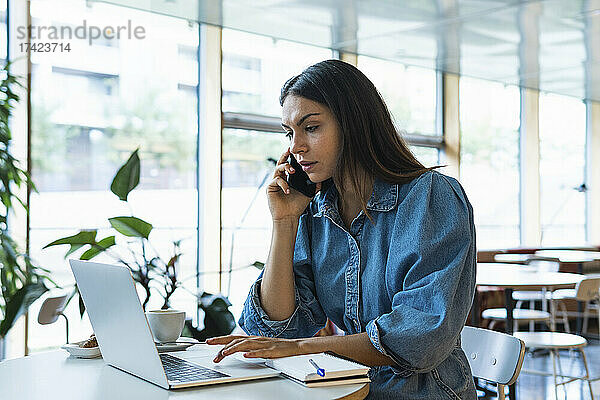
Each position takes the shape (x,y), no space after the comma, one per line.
(51,309)
(588,289)
(493,356)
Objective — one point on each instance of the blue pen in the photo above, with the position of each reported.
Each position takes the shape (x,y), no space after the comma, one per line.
(320,371)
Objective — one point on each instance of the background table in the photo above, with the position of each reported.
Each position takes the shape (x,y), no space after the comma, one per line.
(518,277)
(56,376)
(523,277)
(571,257)
(517,258)
(579,258)
(512,258)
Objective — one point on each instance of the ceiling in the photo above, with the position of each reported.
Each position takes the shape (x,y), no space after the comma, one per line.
(551,45)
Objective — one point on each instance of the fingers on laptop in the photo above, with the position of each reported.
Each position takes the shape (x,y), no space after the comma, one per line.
(257,346)
(224,339)
(228,341)
(240,345)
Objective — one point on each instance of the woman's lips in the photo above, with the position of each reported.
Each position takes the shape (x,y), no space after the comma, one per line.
(308,166)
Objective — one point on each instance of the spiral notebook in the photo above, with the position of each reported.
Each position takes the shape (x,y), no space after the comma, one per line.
(338,371)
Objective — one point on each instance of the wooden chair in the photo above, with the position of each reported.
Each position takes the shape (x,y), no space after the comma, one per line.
(493,356)
(587,291)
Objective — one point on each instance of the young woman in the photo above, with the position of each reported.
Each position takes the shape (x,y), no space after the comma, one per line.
(385,250)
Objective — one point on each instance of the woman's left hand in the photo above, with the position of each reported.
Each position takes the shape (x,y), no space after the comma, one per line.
(258,346)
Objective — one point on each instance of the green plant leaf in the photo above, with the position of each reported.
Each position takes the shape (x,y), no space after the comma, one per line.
(76,241)
(73,249)
(80,239)
(17,304)
(21,282)
(218,320)
(81,305)
(131,226)
(173,260)
(127,178)
(98,248)
(258,265)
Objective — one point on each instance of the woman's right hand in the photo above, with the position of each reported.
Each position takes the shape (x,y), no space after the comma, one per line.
(285,203)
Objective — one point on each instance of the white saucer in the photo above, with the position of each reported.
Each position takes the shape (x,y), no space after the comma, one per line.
(181,344)
(81,352)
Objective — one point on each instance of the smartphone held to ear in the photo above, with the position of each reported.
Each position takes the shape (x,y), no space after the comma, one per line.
(299,179)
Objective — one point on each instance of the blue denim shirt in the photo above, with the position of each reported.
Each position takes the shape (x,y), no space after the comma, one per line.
(407,280)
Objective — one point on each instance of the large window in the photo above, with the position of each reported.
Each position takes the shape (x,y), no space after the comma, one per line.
(254,69)
(91,108)
(428,156)
(409,92)
(562,168)
(410,95)
(489,165)
(246,224)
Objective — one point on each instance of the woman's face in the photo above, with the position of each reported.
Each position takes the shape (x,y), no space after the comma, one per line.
(315,138)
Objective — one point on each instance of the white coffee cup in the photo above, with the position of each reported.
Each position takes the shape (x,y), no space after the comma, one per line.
(166,325)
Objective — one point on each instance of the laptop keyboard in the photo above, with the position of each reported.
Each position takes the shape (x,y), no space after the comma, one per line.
(181,370)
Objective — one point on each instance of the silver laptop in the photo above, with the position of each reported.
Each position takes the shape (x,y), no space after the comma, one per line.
(126,342)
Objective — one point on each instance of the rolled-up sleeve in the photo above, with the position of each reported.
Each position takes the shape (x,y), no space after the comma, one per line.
(434,238)
(308,316)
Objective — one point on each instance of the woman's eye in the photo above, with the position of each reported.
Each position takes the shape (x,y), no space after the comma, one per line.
(311,128)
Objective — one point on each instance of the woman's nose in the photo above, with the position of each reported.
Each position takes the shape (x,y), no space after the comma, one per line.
(297,145)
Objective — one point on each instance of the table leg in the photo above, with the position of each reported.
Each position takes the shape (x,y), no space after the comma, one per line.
(475,310)
(510,305)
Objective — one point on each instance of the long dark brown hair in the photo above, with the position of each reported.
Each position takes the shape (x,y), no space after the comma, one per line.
(370,142)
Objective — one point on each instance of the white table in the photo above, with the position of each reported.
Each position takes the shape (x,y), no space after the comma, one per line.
(512,258)
(571,256)
(517,258)
(518,277)
(55,375)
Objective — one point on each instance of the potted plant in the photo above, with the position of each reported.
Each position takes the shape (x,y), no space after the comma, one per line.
(152,272)
(21,282)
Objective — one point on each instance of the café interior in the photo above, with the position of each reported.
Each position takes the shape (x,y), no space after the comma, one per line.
(503,96)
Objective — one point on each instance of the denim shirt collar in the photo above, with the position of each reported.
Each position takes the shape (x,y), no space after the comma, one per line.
(383,198)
